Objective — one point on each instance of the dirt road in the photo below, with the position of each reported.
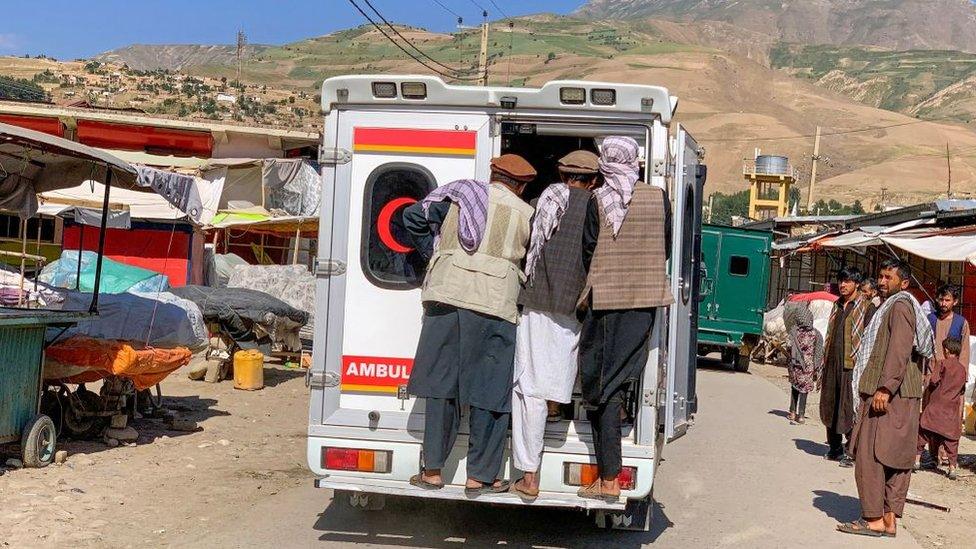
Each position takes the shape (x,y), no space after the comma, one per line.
(743,477)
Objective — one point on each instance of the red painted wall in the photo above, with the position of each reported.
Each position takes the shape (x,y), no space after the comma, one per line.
(147,248)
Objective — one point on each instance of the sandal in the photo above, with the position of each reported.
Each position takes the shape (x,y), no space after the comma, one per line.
(593,492)
(860,528)
(502,486)
(526,494)
(554,417)
(419,481)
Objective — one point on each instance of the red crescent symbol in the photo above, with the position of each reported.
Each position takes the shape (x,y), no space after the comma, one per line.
(385,220)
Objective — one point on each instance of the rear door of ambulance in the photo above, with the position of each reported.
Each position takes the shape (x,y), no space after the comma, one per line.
(681,401)
(368,312)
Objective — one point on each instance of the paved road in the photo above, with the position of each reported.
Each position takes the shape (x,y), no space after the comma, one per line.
(743,477)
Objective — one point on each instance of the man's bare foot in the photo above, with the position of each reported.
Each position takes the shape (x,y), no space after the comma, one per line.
(890,522)
(530,481)
(474,483)
(610,487)
(791,416)
(432,476)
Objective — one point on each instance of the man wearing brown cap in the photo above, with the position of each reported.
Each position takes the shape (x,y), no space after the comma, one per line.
(547,341)
(475,235)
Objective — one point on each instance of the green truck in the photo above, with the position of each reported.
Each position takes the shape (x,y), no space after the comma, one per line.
(734,282)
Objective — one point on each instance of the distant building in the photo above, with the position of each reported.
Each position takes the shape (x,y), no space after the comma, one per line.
(226,98)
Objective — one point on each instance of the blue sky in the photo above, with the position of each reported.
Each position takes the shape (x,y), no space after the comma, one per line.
(70,29)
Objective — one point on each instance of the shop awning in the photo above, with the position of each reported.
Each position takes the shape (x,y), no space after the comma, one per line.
(265,223)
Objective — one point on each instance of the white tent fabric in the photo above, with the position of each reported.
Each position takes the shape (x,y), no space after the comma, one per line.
(142,205)
(938,247)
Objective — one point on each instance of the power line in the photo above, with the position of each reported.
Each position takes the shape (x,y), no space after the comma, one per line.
(500,10)
(447,9)
(404,50)
(406,40)
(480,7)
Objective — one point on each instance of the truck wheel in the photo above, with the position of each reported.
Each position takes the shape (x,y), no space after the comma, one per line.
(38,441)
(729,356)
(742,362)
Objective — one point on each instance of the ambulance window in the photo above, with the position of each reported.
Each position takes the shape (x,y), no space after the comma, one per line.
(387,254)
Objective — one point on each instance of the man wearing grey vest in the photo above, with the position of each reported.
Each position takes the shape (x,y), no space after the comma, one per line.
(475,235)
(547,341)
(627,238)
(888,380)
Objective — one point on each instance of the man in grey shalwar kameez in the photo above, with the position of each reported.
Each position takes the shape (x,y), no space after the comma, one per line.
(466,351)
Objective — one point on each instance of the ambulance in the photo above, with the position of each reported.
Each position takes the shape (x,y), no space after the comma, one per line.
(388,141)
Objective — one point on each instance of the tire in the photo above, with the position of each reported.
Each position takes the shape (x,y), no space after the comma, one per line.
(77,424)
(741,363)
(38,442)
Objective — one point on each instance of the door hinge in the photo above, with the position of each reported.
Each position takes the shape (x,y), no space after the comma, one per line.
(334,156)
(329,267)
(321,380)
(649,397)
(659,168)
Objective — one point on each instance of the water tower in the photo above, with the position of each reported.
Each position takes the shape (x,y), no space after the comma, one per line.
(771,179)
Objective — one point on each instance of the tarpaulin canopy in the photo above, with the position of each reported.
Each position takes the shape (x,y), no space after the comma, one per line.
(32,162)
(259,222)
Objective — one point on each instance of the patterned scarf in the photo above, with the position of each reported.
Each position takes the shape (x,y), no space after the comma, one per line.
(620,169)
(924,343)
(548,211)
(472,199)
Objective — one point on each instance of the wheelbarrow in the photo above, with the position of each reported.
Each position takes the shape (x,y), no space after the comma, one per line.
(22,342)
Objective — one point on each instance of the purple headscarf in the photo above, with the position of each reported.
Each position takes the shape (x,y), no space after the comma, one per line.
(472,199)
(620,169)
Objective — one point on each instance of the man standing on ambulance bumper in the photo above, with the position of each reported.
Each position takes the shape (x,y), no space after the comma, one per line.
(626,240)
(466,351)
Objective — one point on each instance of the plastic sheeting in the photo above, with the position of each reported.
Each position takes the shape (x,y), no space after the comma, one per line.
(291,185)
(219,267)
(155,319)
(116,277)
(85,359)
(292,284)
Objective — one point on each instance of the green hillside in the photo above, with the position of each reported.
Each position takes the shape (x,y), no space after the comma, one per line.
(931,84)
(537,40)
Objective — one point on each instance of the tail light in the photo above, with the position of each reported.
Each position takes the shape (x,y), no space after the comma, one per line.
(585,474)
(351,459)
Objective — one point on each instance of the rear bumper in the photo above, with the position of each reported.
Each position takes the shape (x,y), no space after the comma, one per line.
(456,493)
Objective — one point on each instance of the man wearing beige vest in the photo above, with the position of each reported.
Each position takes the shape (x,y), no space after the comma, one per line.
(626,239)
(475,235)
(888,380)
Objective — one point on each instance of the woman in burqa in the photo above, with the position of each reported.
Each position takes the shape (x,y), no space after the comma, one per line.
(806,357)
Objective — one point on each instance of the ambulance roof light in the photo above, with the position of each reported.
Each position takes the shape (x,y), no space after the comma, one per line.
(572,96)
(603,96)
(384,90)
(413,90)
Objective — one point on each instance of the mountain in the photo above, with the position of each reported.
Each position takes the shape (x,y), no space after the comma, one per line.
(731,99)
(893,24)
(175,56)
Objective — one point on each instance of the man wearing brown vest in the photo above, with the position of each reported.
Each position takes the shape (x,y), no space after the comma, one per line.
(888,378)
(626,243)
(466,351)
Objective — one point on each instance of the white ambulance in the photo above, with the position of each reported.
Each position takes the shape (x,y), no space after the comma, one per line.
(391,139)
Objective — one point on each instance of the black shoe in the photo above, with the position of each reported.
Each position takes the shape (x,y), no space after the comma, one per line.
(846,461)
(833,456)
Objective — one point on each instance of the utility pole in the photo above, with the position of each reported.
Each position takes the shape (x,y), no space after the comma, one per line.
(241,42)
(884,197)
(710,198)
(813,169)
(483,54)
(949,170)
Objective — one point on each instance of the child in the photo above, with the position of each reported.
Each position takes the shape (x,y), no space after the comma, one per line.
(941,426)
